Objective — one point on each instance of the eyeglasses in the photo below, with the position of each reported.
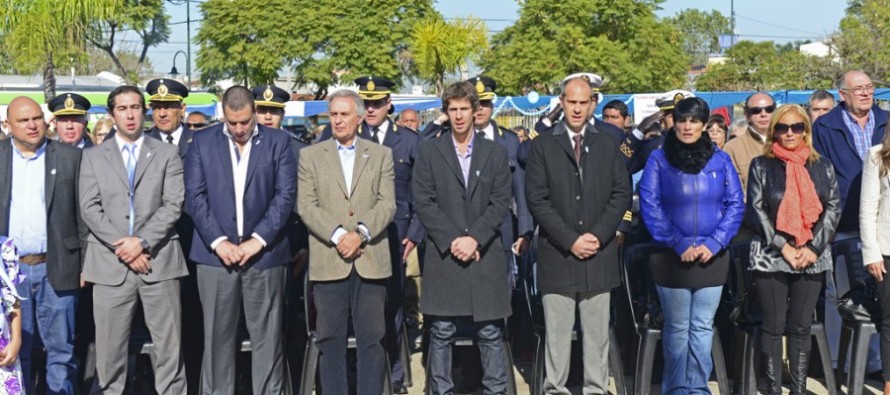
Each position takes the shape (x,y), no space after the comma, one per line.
(797,128)
(195,125)
(757,110)
(858,90)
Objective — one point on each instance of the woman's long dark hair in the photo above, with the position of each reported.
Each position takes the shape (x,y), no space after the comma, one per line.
(884,152)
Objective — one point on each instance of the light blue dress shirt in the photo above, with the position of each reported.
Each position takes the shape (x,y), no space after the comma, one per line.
(27,205)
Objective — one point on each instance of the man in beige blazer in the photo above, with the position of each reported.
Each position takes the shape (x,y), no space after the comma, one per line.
(346,197)
(131,195)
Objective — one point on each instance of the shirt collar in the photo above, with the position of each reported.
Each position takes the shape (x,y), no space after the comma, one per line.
(256,131)
(37,154)
(341,147)
(121,143)
(175,133)
(469,145)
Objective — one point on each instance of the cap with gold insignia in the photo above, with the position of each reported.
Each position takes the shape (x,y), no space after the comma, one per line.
(270,96)
(595,82)
(69,104)
(668,100)
(373,88)
(485,87)
(162,89)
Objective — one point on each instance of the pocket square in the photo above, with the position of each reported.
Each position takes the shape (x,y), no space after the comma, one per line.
(366,156)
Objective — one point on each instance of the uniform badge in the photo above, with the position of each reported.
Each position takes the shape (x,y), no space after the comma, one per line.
(678,97)
(479,86)
(162,89)
(69,103)
(371,86)
(267,94)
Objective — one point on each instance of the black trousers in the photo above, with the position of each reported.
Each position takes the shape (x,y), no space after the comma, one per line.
(787,302)
(884,295)
(334,301)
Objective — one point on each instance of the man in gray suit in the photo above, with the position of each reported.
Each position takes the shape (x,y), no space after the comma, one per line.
(131,195)
(346,197)
(39,211)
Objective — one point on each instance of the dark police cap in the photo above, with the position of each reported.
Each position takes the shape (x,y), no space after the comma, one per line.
(270,96)
(485,87)
(166,90)
(69,104)
(373,88)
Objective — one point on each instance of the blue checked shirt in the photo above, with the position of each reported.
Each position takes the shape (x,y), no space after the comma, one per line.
(27,206)
(862,137)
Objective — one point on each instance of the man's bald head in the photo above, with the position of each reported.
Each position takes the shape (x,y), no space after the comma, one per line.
(26,124)
(409,119)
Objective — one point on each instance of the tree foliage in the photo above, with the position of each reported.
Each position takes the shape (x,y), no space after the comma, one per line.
(325,42)
(764,66)
(861,38)
(700,32)
(37,34)
(438,47)
(145,17)
(621,40)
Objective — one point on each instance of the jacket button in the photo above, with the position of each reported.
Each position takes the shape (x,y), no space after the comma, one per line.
(578,197)
(580,222)
(350,213)
(576,174)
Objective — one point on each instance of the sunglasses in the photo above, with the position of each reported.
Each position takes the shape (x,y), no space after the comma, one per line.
(195,125)
(797,128)
(758,110)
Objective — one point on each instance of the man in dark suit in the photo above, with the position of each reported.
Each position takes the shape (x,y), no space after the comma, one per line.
(240,190)
(131,193)
(405,231)
(578,191)
(39,211)
(461,190)
(70,119)
(167,110)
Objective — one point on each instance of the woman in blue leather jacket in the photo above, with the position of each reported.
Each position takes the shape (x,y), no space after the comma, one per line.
(692,202)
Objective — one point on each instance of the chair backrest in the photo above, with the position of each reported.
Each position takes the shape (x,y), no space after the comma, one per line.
(741,289)
(639,284)
(851,250)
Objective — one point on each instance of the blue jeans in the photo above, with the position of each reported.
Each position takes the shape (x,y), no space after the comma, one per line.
(50,315)
(686,338)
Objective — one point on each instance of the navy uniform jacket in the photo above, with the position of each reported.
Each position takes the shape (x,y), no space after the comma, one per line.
(296,229)
(403,143)
(507,139)
(184,140)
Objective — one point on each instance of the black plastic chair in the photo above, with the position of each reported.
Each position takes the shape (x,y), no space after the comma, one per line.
(311,355)
(855,333)
(748,325)
(647,318)
(536,310)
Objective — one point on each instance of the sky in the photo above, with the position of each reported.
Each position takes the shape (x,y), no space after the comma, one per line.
(757,20)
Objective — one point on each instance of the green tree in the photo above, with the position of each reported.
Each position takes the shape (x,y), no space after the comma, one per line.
(700,32)
(766,66)
(860,40)
(145,17)
(621,40)
(438,47)
(37,34)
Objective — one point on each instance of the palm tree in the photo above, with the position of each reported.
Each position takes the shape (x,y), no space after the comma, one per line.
(37,32)
(438,47)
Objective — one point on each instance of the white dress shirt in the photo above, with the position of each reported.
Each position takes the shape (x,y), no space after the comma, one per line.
(177,134)
(488,131)
(381,134)
(347,163)
(240,161)
(124,154)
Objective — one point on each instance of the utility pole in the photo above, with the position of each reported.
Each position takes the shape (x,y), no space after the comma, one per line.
(188,27)
(731,23)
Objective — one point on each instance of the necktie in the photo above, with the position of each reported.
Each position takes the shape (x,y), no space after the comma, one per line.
(374,134)
(577,139)
(170,139)
(131,175)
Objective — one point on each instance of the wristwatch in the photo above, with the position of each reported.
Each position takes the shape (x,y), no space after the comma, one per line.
(144,244)
(366,238)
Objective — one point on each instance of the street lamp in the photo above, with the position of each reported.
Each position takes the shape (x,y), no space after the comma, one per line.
(174,72)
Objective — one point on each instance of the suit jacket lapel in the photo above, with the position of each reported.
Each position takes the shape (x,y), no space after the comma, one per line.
(49,177)
(477,162)
(225,159)
(146,154)
(255,154)
(5,182)
(333,159)
(445,145)
(361,159)
(115,159)
(390,139)
(184,140)
(562,140)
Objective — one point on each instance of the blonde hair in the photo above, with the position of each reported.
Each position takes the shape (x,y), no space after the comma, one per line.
(807,135)
(103,124)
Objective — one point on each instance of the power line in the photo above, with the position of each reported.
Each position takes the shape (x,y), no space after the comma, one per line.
(774,25)
(773,36)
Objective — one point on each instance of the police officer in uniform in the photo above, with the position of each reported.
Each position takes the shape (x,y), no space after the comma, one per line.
(167,110)
(405,231)
(270,102)
(70,117)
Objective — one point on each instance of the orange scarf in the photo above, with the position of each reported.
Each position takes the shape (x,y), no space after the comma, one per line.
(800,207)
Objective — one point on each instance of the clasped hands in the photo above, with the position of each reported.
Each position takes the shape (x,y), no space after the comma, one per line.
(129,249)
(798,258)
(586,246)
(698,253)
(240,254)
(465,249)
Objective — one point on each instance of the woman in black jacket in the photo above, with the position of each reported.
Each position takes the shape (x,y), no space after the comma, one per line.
(794,205)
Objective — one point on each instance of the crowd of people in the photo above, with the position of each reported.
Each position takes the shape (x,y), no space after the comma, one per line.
(192,221)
